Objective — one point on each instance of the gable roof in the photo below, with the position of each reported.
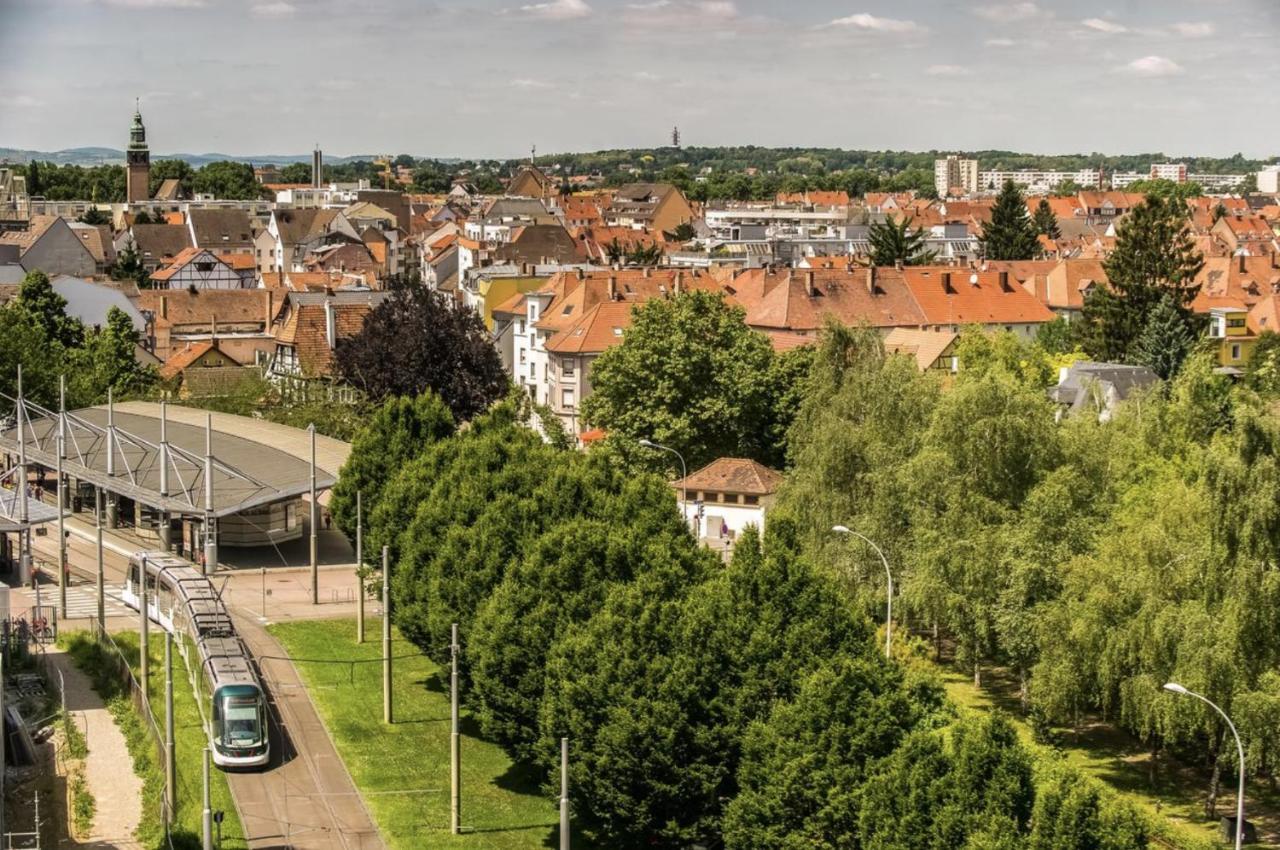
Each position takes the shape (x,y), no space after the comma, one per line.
(160,241)
(733,475)
(949,296)
(925,346)
(221,228)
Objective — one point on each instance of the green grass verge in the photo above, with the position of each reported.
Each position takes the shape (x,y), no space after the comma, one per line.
(1170,795)
(502,807)
(83,805)
(99,664)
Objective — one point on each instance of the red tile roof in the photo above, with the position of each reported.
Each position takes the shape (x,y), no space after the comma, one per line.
(733,475)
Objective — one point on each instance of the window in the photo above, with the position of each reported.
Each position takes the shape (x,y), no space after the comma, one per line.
(567,399)
(1235,323)
(567,367)
(533,373)
(204,266)
(750,500)
(1235,351)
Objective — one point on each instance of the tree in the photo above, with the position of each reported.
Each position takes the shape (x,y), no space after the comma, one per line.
(803,768)
(296,172)
(1010,235)
(35,186)
(128,266)
(400,430)
(94,216)
(416,341)
(644,255)
(1072,813)
(108,361)
(1155,257)
(1263,371)
(689,374)
(431,178)
(1165,340)
(47,309)
(170,169)
(683,232)
(893,241)
(227,181)
(1045,222)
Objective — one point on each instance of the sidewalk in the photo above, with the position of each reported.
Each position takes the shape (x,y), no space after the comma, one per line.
(116,789)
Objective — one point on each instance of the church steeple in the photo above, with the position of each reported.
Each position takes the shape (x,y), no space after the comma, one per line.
(137,161)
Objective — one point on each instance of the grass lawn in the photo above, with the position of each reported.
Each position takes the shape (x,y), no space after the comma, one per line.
(188,736)
(502,807)
(1173,793)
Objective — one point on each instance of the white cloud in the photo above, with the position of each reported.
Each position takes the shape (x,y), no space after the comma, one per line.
(1100,25)
(558,10)
(1009,12)
(946,71)
(1000,42)
(1154,66)
(279,9)
(19,101)
(156,4)
(863,21)
(1193,29)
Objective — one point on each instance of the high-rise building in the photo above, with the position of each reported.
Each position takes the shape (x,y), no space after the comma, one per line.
(955,173)
(137,163)
(317,167)
(1175,171)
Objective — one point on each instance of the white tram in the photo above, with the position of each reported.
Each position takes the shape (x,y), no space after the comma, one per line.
(183,602)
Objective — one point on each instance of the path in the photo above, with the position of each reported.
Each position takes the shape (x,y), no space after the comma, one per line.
(305,799)
(116,789)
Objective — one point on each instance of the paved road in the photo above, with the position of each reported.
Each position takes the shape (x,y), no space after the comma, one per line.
(305,799)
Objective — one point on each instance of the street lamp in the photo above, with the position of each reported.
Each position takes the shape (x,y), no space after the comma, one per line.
(1175,688)
(684,474)
(888,615)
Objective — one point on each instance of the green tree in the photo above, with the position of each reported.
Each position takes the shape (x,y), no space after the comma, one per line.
(94,216)
(644,255)
(1155,257)
(1165,340)
(893,241)
(689,374)
(128,266)
(1263,371)
(397,432)
(35,185)
(1072,813)
(227,180)
(38,300)
(296,172)
(1045,222)
(109,360)
(170,169)
(1010,235)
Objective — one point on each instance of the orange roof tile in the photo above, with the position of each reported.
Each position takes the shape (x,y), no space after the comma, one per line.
(733,475)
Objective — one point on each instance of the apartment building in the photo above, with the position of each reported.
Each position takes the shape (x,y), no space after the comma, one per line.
(955,173)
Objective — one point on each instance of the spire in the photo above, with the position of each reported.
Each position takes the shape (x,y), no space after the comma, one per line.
(137,133)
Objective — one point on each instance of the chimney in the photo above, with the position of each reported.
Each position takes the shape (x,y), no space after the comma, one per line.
(613,287)
(164,306)
(678,281)
(330,325)
(270,314)
(648,272)
(897,264)
(808,283)
(946,282)
(579,273)
(213,327)
(871,280)
(1004,282)
(1242,264)
(1275,261)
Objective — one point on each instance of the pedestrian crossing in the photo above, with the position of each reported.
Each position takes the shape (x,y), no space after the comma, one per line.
(82,600)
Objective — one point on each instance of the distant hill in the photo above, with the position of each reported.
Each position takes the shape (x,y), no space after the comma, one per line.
(112,156)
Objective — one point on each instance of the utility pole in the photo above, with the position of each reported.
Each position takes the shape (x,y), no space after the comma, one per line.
(144,632)
(3,743)
(24,534)
(564,794)
(315,519)
(102,598)
(386,636)
(206,814)
(455,739)
(359,573)
(62,492)
(170,754)
(163,528)
(112,507)
(210,534)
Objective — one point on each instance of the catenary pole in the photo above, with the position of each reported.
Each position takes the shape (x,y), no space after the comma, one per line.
(206,813)
(564,794)
(102,590)
(210,533)
(144,636)
(62,493)
(359,572)
(170,751)
(315,519)
(386,636)
(455,739)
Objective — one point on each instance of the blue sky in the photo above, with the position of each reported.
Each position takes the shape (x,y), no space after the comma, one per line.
(492,77)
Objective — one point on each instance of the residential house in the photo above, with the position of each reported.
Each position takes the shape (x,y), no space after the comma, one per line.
(1248,235)
(933,351)
(290,234)
(200,268)
(953,298)
(531,182)
(97,239)
(91,302)
(155,244)
(1098,387)
(1233,338)
(202,369)
(239,319)
(308,331)
(726,496)
(52,246)
(658,207)
(227,231)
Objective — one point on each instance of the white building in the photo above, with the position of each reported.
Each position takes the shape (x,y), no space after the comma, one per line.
(720,500)
(955,173)
(1214,184)
(1269,180)
(1175,171)
(1039,182)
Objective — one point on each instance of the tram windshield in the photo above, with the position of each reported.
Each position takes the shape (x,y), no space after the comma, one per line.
(238,717)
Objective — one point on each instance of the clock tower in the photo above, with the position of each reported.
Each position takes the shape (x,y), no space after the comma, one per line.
(137,163)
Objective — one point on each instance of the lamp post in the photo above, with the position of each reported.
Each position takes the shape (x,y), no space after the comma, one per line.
(1175,688)
(888,614)
(684,475)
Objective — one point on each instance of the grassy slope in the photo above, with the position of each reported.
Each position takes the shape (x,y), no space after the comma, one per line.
(502,808)
(188,735)
(1173,796)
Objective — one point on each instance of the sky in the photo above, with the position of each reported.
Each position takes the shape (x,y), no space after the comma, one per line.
(492,78)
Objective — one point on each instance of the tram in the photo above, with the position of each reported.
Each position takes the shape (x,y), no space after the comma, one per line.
(184,602)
